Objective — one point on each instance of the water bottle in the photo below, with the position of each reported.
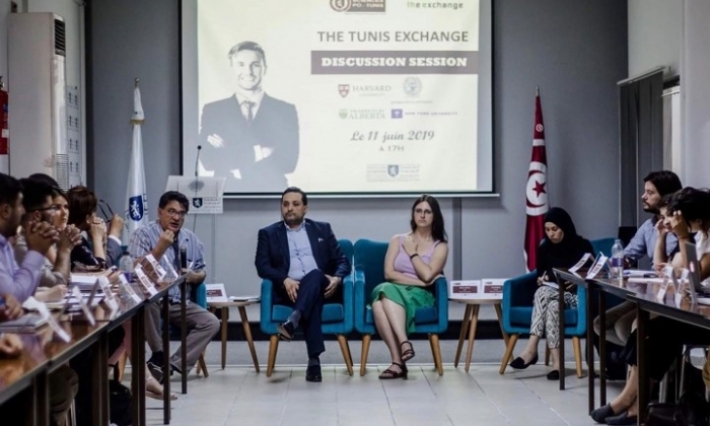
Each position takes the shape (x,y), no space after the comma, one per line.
(617,261)
(125,264)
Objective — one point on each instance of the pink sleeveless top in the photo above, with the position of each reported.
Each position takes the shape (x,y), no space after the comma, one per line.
(403,264)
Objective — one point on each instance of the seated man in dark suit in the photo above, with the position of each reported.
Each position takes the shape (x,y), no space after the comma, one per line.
(250,138)
(304,262)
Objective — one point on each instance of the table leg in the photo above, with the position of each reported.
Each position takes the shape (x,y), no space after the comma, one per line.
(99,370)
(167,413)
(602,349)
(472,335)
(642,318)
(590,348)
(183,334)
(224,315)
(40,399)
(462,334)
(137,354)
(499,314)
(247,334)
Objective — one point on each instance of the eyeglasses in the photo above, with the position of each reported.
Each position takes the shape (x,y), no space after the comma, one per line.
(425,212)
(176,213)
(101,205)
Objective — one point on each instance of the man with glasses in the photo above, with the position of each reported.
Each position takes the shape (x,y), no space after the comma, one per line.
(165,239)
(38,202)
(20,280)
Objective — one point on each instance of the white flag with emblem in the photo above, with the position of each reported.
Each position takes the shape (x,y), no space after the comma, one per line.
(136,194)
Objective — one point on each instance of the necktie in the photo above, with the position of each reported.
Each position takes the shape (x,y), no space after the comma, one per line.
(248,109)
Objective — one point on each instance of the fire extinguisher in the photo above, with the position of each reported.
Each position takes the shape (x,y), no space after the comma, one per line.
(4,131)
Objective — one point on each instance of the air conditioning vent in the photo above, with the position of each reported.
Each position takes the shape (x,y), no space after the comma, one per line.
(60,42)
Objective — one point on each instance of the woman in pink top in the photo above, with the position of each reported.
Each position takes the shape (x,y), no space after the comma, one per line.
(413,262)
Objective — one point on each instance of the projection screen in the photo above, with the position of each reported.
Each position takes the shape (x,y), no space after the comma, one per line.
(339,97)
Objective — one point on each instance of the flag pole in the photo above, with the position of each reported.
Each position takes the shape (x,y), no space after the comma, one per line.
(537,91)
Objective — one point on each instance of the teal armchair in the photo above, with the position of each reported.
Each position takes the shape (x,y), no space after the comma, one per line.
(369,266)
(337,318)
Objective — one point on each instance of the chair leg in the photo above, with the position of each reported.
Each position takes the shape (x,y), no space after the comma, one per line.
(366,338)
(273,348)
(577,347)
(346,353)
(547,355)
(512,340)
(436,349)
(202,364)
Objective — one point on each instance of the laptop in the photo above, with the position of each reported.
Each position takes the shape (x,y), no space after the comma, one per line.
(691,253)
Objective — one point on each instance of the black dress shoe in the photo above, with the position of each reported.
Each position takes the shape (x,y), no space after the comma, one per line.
(553,375)
(313,374)
(519,363)
(622,419)
(286,330)
(602,413)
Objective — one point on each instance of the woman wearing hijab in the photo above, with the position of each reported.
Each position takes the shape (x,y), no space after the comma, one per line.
(561,248)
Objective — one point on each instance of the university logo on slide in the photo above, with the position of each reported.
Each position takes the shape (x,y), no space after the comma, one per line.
(340,5)
(358,5)
(412,86)
(343,89)
(393,170)
(343,113)
(136,210)
(397,113)
(197,202)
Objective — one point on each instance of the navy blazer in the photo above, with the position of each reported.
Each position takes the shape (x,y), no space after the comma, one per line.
(275,126)
(273,258)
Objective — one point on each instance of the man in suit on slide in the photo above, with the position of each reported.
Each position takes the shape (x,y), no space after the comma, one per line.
(304,262)
(250,137)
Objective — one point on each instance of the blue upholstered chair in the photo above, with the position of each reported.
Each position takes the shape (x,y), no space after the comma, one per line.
(518,295)
(369,269)
(337,318)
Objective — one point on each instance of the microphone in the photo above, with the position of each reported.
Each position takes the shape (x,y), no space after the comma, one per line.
(183,257)
(197,185)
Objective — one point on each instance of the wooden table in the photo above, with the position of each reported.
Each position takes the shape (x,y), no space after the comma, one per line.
(470,322)
(224,320)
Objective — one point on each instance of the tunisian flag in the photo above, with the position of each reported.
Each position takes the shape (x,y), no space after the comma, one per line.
(536,191)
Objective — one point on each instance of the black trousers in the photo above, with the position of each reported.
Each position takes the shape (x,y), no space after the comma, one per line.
(665,342)
(310,301)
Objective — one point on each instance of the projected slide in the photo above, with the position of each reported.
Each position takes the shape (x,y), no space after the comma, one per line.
(338,96)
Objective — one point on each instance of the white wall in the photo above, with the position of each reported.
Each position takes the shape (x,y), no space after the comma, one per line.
(655,28)
(695,92)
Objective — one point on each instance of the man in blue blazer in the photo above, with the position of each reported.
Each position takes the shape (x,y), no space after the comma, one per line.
(250,138)
(304,262)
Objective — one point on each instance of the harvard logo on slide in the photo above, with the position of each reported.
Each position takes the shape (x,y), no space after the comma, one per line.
(358,5)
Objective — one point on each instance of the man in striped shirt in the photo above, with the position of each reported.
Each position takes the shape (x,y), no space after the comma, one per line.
(164,239)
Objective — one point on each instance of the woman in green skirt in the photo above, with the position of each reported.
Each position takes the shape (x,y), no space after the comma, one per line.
(413,262)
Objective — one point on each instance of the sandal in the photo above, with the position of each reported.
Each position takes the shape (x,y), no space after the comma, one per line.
(409,353)
(391,374)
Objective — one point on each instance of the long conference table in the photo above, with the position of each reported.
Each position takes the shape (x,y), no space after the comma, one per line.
(26,376)
(651,298)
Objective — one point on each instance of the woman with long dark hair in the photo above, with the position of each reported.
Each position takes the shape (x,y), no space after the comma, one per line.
(413,262)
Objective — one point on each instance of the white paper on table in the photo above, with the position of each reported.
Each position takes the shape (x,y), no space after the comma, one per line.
(84,307)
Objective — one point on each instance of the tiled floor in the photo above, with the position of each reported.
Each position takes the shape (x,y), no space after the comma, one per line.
(238,395)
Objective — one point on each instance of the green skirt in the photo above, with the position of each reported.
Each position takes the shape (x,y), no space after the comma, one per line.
(409,297)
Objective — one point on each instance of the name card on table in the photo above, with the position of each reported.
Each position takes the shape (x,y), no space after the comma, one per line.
(84,306)
(597,266)
(126,288)
(492,286)
(216,293)
(144,281)
(467,289)
(33,304)
(583,261)
(109,298)
(152,268)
